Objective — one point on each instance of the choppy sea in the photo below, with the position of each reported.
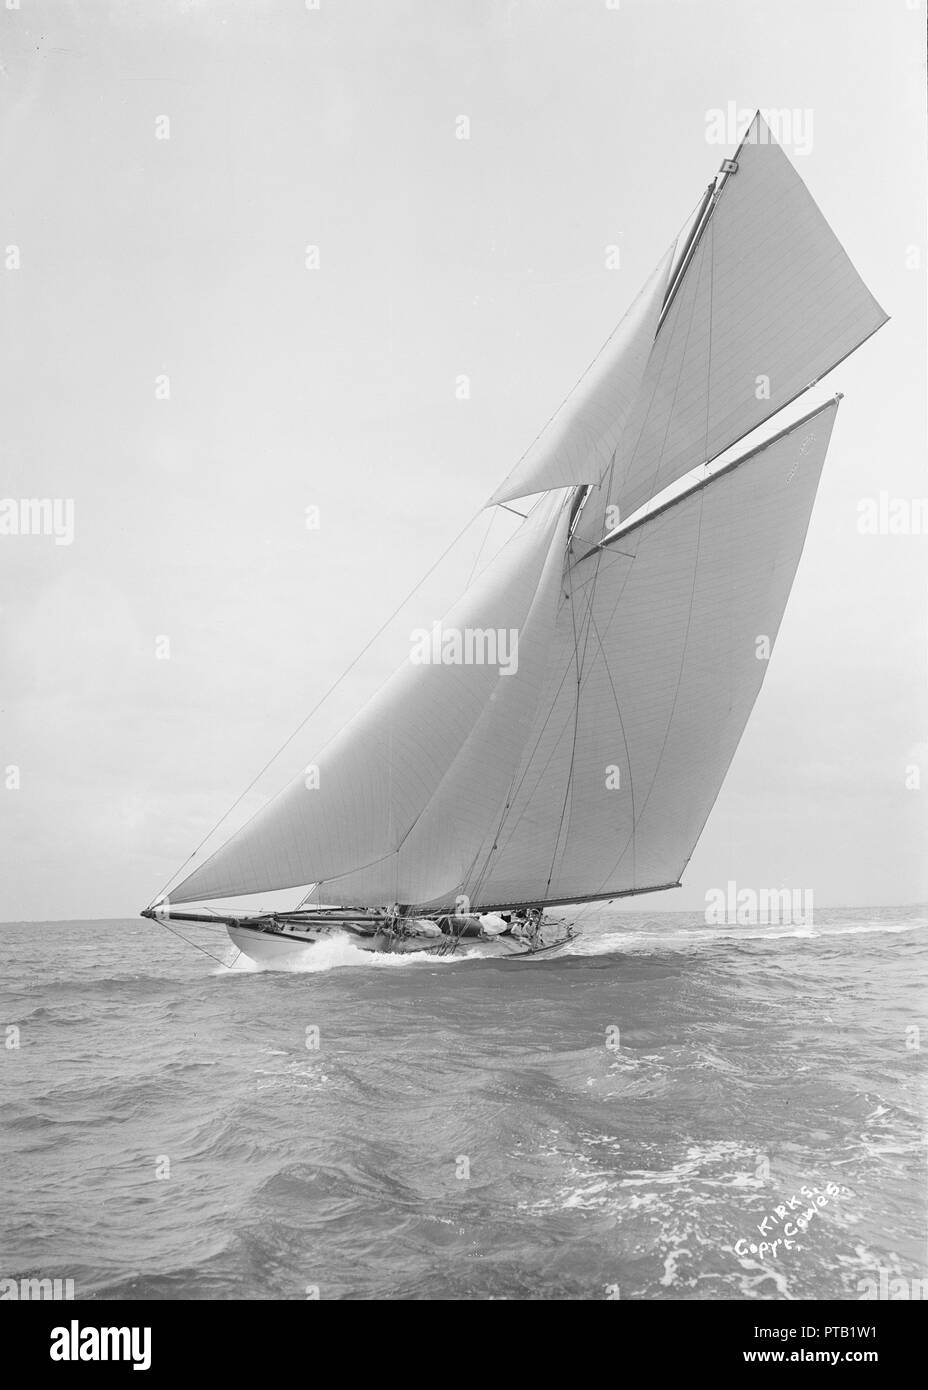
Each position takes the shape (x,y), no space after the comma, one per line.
(622,1121)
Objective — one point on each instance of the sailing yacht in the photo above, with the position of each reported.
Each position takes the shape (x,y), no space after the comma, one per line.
(470,798)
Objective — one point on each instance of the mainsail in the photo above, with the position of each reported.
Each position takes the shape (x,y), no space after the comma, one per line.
(587,766)
(660,651)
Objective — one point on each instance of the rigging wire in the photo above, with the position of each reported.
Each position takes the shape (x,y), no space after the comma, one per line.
(228,965)
(486,537)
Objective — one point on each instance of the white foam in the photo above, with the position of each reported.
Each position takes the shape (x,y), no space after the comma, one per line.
(333,954)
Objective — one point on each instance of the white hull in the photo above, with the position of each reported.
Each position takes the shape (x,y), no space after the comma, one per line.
(267,948)
(286,946)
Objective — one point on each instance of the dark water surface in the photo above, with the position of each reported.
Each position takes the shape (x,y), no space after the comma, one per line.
(468,1129)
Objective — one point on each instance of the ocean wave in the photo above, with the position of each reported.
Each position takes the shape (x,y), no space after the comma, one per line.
(745,1072)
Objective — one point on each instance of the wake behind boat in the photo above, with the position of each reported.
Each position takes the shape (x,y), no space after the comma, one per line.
(562,733)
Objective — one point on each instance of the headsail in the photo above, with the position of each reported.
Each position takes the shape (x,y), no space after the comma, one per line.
(659,656)
(374,820)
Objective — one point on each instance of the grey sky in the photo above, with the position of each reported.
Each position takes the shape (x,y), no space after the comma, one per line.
(335,387)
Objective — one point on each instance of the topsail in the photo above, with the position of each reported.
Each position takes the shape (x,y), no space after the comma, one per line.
(769,303)
(571,740)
